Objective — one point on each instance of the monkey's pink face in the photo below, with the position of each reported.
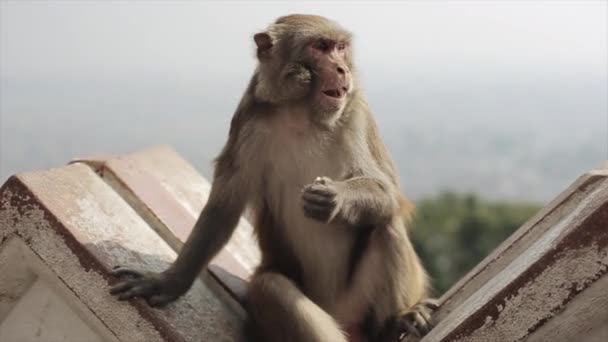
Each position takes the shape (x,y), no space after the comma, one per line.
(334,76)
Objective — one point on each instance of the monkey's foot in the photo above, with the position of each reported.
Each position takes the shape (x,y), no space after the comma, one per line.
(417,320)
(150,286)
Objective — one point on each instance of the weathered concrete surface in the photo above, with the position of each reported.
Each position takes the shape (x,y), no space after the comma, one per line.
(552,269)
(585,318)
(520,241)
(79,228)
(36,306)
(61,230)
(170,194)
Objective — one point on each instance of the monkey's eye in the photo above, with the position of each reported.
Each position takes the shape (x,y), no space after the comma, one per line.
(322,45)
(341,46)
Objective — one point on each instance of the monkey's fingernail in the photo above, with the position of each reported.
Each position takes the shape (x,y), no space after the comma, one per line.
(321,180)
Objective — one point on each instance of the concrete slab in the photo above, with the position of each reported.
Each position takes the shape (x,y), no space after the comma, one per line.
(551,273)
(62,230)
(169,194)
(79,228)
(36,306)
(521,240)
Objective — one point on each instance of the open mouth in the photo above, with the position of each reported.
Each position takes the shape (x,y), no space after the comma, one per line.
(335,93)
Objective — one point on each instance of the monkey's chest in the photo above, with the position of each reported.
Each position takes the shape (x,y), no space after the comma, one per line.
(290,166)
(322,249)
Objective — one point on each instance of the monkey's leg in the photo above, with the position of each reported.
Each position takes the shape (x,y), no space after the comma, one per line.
(281,312)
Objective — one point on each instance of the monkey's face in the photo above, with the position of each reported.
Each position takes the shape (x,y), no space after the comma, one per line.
(305,60)
(332,79)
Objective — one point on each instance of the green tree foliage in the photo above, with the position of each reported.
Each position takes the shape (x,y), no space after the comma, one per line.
(453,232)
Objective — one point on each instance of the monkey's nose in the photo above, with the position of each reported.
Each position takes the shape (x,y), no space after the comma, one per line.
(341,70)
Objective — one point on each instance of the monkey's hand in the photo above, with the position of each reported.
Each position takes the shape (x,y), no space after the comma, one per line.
(357,201)
(156,288)
(322,200)
(417,320)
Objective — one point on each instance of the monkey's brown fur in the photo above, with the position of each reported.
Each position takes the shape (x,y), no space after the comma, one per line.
(304,153)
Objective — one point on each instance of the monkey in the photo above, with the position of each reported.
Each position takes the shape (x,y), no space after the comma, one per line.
(304,155)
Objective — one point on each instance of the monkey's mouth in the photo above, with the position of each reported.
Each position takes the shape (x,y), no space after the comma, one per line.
(335,93)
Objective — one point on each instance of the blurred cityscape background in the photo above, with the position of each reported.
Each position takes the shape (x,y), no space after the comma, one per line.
(490,109)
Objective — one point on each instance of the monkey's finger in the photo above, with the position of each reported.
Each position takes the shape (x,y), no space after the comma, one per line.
(119,271)
(159,300)
(321,213)
(322,180)
(121,287)
(321,207)
(318,199)
(322,190)
(317,215)
(126,296)
(140,290)
(320,183)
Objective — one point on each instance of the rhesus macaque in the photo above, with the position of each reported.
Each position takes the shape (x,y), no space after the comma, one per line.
(304,154)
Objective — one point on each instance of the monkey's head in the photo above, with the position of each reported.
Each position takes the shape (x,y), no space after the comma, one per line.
(305,59)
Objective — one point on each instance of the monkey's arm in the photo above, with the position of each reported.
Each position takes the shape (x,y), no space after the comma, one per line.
(359,200)
(212,230)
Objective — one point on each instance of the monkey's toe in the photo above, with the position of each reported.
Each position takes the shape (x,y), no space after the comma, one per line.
(431,303)
(414,323)
(417,321)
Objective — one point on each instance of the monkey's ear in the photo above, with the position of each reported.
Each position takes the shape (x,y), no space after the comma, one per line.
(264,43)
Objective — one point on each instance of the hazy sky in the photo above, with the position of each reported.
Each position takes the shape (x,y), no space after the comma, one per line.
(91,38)
(81,77)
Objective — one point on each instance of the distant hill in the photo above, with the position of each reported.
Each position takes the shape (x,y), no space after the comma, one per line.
(454,232)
